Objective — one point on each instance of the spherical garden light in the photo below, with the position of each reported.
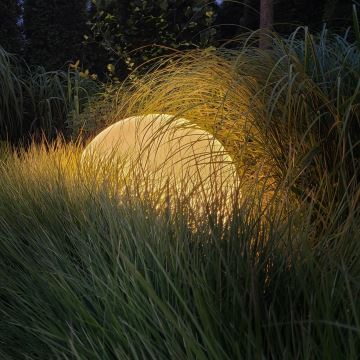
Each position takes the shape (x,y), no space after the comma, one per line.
(165,152)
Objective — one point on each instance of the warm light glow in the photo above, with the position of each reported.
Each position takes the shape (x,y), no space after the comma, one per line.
(170,151)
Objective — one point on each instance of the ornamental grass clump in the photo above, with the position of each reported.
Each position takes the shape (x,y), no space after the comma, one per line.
(90,269)
(288,117)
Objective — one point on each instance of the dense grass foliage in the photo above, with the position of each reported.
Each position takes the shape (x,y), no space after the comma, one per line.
(92,269)
(36,102)
(88,274)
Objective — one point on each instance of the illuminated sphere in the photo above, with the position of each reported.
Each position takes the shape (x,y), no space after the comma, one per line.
(167,150)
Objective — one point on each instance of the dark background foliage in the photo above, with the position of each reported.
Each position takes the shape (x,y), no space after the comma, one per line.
(136,31)
(54,31)
(109,39)
(10,36)
(112,37)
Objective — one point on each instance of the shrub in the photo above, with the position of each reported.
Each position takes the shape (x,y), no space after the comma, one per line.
(134,32)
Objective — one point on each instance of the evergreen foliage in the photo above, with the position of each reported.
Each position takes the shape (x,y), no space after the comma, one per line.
(10,36)
(54,31)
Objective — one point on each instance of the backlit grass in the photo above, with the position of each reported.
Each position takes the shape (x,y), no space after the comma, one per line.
(91,268)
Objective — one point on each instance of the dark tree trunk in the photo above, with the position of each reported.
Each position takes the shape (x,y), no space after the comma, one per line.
(266,22)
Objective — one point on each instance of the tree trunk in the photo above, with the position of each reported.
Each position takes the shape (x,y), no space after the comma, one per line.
(266,22)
